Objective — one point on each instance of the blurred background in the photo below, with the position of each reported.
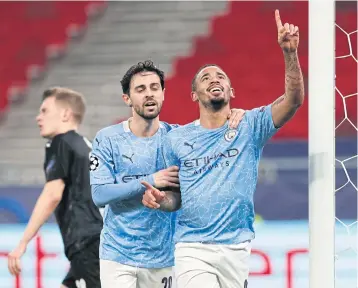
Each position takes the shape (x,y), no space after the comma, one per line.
(88,45)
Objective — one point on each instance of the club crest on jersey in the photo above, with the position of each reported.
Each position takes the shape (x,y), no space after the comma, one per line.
(94,163)
(230,135)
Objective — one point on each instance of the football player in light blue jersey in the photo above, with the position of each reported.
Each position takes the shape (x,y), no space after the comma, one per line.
(136,244)
(137,247)
(218,170)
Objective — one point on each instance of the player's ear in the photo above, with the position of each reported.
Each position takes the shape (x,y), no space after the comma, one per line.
(66,114)
(163,93)
(127,100)
(194,96)
(232,93)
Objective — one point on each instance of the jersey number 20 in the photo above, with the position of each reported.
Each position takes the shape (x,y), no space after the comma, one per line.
(167,281)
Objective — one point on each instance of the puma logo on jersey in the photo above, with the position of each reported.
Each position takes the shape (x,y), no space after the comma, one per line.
(190,145)
(129,158)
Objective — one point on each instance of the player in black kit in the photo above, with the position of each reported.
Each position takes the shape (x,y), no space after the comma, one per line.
(67,190)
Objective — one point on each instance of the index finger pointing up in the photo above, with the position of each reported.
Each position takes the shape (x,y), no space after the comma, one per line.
(278,19)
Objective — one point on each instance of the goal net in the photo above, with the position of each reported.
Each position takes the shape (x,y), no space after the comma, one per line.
(346,145)
(333,144)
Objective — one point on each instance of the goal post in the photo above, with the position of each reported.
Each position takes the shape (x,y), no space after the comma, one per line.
(321,103)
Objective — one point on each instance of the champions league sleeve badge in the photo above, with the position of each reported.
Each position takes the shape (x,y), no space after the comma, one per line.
(94,163)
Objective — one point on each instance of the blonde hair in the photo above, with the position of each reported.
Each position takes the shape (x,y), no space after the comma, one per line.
(73,99)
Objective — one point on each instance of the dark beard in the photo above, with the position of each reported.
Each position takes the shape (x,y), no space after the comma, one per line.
(218,104)
(215,104)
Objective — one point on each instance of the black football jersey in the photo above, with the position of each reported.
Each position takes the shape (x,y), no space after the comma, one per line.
(67,158)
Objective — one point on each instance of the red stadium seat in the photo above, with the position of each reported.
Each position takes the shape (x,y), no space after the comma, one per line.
(29,30)
(243,43)
(3,97)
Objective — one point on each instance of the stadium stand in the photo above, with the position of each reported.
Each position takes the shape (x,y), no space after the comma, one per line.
(249,55)
(179,36)
(232,45)
(126,33)
(43,30)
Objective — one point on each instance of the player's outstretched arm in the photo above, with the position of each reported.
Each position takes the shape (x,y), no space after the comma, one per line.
(103,194)
(45,206)
(286,106)
(168,201)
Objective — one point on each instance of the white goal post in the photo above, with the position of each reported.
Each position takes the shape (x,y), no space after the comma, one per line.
(321,104)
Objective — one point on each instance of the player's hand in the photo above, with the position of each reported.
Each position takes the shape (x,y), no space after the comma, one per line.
(13,261)
(152,196)
(235,117)
(167,177)
(288,35)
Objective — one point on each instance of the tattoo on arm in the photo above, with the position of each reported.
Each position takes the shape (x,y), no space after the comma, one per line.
(279,100)
(294,86)
(287,105)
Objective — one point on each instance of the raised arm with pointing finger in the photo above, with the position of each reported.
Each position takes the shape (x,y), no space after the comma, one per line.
(286,106)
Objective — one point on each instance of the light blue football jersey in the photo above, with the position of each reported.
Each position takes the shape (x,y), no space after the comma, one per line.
(132,234)
(218,176)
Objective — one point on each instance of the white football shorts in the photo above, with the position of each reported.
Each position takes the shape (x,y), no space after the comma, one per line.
(212,266)
(114,274)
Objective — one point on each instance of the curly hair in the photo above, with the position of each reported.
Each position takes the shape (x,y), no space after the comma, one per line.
(147,65)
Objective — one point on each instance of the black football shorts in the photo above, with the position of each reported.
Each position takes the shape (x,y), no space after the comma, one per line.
(84,271)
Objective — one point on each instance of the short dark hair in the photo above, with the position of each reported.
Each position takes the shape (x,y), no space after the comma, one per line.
(193,82)
(147,65)
(73,99)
